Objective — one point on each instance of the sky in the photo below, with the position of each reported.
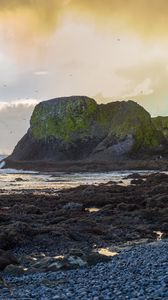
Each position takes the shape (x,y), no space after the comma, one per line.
(109,50)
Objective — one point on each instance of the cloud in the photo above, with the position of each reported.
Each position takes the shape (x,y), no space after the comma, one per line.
(14,122)
(40,73)
(26,103)
(27,26)
(147,18)
(42,17)
(116,47)
(142,88)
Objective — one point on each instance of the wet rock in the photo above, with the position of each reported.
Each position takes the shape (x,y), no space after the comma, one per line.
(134,176)
(7,259)
(88,191)
(95,258)
(15,270)
(72,206)
(137,181)
(73,260)
(19,179)
(76,261)
(13,234)
(127,207)
(43,221)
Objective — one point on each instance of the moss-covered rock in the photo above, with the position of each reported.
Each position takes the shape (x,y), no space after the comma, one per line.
(64,119)
(77,128)
(129,118)
(161,124)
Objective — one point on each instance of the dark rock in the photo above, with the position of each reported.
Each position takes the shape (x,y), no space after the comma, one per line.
(137,181)
(72,206)
(122,213)
(18,179)
(15,270)
(95,258)
(134,176)
(78,129)
(7,259)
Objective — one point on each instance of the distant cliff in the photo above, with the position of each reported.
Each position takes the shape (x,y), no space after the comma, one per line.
(77,128)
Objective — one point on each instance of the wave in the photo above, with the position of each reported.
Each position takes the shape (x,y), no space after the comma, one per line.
(13,171)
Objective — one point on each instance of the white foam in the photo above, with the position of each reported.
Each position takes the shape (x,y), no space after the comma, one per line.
(2,164)
(14,171)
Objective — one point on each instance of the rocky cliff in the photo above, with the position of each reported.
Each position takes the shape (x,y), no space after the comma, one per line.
(78,129)
(161,124)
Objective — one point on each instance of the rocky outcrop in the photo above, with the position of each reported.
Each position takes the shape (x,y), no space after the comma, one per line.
(161,124)
(84,217)
(78,129)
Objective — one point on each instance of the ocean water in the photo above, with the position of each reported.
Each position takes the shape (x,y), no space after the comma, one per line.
(11,179)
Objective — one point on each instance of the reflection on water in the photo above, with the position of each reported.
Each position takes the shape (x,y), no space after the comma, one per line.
(107,252)
(13,179)
(92,209)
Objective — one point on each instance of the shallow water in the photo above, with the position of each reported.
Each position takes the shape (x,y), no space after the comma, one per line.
(17,180)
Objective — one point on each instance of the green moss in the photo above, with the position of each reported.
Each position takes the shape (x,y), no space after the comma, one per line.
(133,120)
(63,120)
(161,124)
(80,117)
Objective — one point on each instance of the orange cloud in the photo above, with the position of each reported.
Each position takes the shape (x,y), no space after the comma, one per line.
(41,16)
(26,25)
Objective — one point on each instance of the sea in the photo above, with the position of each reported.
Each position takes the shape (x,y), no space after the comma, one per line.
(17,180)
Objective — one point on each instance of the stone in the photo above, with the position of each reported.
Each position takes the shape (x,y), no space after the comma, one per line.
(137,181)
(95,258)
(15,270)
(7,259)
(73,206)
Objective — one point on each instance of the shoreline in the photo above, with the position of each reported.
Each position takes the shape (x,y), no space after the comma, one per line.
(57,235)
(85,166)
(82,216)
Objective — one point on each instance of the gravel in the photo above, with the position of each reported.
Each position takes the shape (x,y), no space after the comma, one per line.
(140,272)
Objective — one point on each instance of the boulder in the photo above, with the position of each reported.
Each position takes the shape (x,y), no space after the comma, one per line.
(7,259)
(15,270)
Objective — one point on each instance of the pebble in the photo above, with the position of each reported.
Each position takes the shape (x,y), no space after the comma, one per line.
(139,273)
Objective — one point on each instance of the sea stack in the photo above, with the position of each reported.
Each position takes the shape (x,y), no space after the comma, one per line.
(78,129)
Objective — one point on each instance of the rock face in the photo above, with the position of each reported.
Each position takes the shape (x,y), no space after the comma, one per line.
(77,129)
(161,124)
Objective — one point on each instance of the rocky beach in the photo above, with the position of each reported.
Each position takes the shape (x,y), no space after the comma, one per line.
(50,239)
(97,236)
(83,150)
(138,272)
